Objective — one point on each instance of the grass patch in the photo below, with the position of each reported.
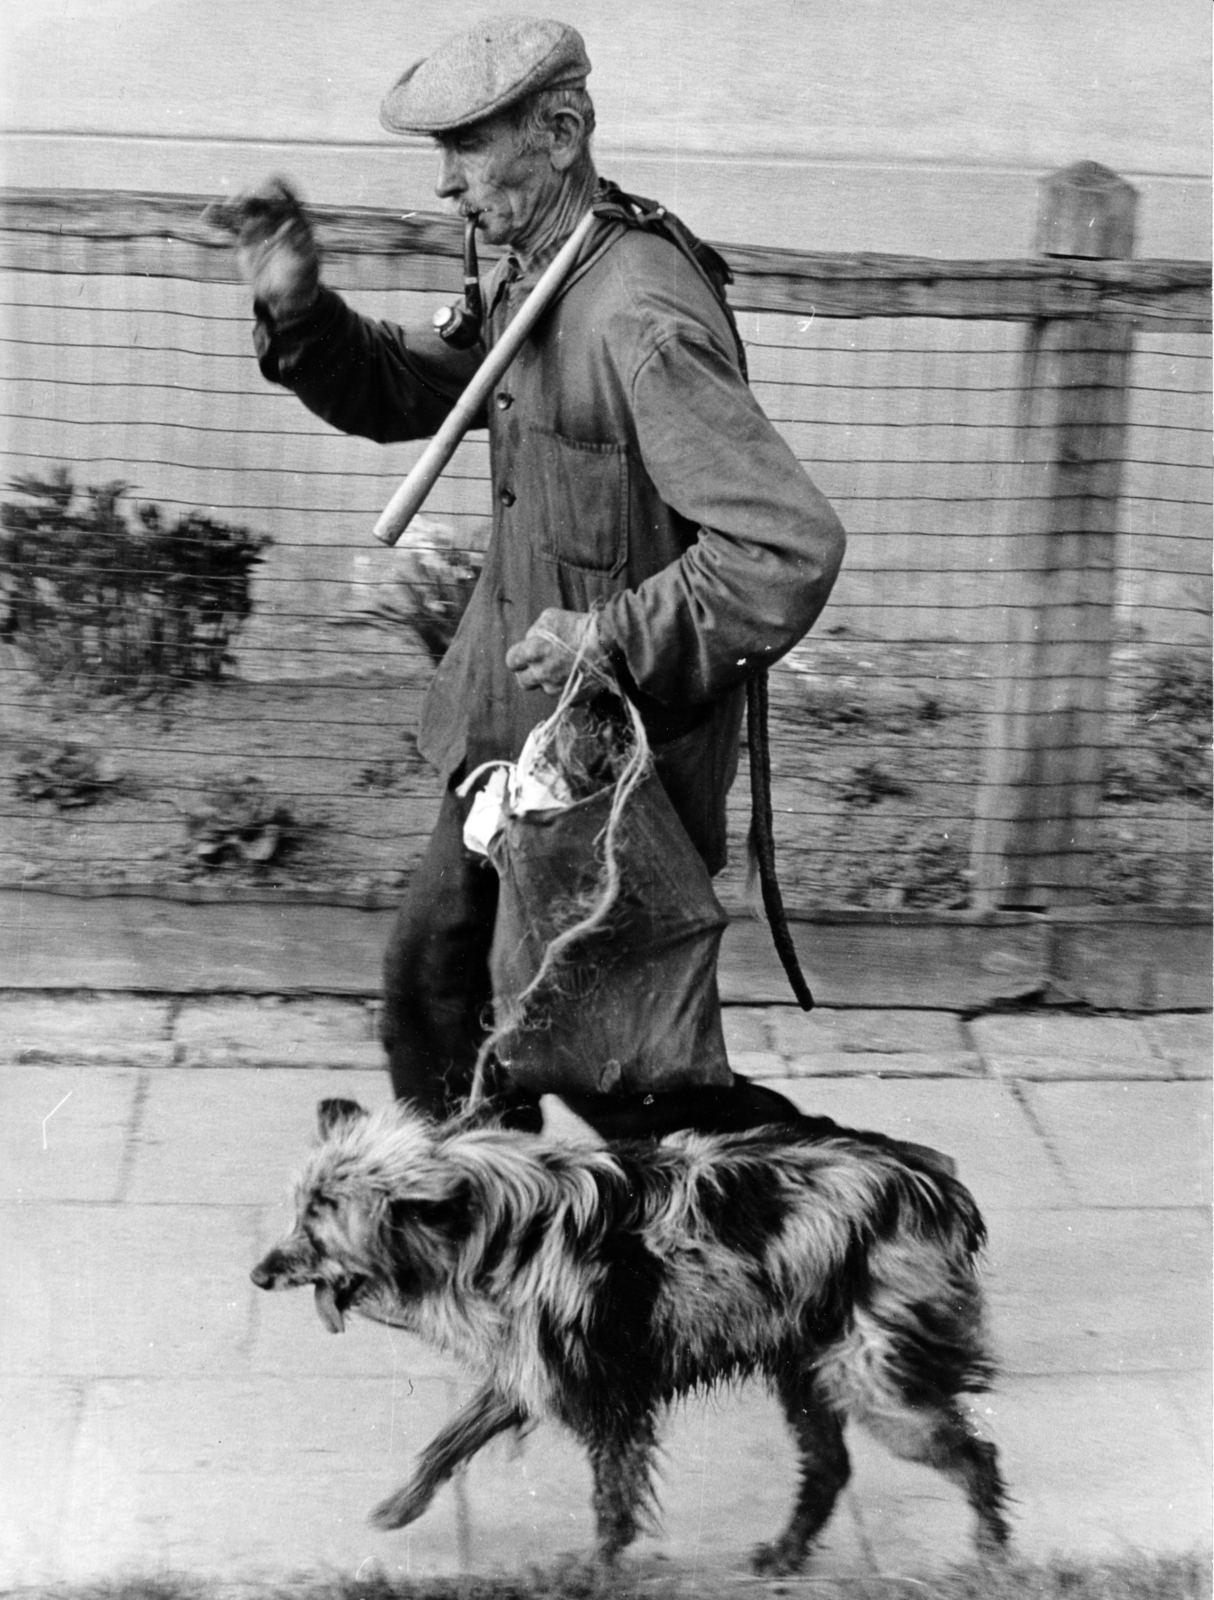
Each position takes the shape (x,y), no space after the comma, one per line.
(1179,1577)
(239,821)
(1166,750)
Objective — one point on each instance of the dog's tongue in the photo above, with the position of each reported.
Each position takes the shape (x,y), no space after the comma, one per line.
(327,1308)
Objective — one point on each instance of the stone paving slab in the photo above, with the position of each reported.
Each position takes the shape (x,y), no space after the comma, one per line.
(796,1035)
(1103,1464)
(1099,1290)
(38,1424)
(266,1031)
(299,1031)
(63,1132)
(121,1290)
(290,1341)
(1036,1047)
(259,1530)
(1186,1040)
(1069,1069)
(256,1426)
(799,1034)
(85,1030)
(980,1124)
(530,1500)
(1040,1033)
(863,1064)
(239,1480)
(1096,1465)
(911,1519)
(728,1479)
(1192,1399)
(1142,1144)
(233,1135)
(746,1028)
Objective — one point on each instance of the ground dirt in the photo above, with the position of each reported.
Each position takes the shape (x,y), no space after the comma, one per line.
(306,776)
(1184,1577)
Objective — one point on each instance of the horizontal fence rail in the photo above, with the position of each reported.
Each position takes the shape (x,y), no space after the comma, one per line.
(902,384)
(99,232)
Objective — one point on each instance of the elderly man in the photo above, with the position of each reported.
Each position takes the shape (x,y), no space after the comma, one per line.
(645,511)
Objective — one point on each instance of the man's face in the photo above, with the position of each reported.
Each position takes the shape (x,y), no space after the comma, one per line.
(482,169)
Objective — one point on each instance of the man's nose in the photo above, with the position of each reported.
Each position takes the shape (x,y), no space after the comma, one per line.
(450,182)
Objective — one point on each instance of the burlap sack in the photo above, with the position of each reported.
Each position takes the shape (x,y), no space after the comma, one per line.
(634,1005)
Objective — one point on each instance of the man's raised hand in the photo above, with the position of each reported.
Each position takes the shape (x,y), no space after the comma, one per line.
(275,247)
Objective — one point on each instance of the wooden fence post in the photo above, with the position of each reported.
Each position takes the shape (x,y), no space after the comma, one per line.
(1034,829)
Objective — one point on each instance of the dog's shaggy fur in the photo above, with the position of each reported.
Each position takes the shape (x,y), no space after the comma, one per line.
(597,1285)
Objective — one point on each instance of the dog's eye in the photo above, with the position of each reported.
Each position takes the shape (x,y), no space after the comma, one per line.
(320,1203)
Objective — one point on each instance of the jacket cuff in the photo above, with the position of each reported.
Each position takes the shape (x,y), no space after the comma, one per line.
(663,722)
(279,342)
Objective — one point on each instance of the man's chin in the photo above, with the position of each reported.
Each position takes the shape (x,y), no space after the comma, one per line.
(492,228)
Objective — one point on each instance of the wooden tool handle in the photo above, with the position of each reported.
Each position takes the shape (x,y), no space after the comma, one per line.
(407,501)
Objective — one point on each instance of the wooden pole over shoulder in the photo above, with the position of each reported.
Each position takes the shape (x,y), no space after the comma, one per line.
(407,501)
(1034,836)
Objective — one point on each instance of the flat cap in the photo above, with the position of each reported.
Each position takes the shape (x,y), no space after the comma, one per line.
(476,74)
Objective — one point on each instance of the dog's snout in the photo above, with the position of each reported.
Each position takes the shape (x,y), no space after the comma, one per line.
(265,1273)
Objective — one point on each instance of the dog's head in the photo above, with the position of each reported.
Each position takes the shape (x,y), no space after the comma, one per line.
(378,1213)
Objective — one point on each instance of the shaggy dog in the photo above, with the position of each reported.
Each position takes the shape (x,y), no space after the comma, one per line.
(596,1285)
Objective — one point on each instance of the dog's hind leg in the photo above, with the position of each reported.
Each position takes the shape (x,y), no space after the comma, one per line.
(825,1469)
(487,1414)
(623,1486)
(940,1435)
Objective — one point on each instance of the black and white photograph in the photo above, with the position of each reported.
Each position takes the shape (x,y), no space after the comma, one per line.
(605,800)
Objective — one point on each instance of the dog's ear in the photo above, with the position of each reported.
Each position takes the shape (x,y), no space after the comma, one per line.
(451,1215)
(334,1114)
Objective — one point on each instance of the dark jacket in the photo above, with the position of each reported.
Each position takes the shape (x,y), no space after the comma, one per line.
(632,469)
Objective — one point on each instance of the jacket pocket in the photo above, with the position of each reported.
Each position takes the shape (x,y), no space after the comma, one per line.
(577,499)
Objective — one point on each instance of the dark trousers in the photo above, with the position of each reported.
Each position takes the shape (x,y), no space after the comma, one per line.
(437,992)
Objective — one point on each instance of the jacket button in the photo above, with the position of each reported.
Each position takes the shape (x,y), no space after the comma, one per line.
(504,401)
(507,497)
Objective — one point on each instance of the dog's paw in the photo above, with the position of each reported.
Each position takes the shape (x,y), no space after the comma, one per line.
(778,1558)
(401,1508)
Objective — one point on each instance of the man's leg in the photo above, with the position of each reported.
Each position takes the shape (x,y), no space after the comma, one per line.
(437,992)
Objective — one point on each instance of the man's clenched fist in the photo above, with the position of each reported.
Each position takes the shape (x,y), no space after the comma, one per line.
(544,657)
(275,248)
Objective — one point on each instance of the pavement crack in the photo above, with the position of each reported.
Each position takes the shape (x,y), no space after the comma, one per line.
(973,1048)
(1017,1091)
(851,1500)
(79,1406)
(143,1089)
(177,1004)
(463,1503)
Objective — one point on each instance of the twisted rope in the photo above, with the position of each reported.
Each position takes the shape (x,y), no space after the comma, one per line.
(762,841)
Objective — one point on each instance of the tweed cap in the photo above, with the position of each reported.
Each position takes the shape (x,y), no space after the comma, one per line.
(476,74)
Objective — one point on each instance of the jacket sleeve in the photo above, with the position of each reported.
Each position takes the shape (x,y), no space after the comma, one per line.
(768,547)
(370,378)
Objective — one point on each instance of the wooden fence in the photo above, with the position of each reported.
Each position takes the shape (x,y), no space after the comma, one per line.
(1026,403)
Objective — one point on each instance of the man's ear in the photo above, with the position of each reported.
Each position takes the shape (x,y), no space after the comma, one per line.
(334,1114)
(568,130)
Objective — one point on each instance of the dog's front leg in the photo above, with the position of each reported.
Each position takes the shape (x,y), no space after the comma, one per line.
(488,1413)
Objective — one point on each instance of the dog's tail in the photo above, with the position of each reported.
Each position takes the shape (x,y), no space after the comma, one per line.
(919,1325)
(932,1198)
